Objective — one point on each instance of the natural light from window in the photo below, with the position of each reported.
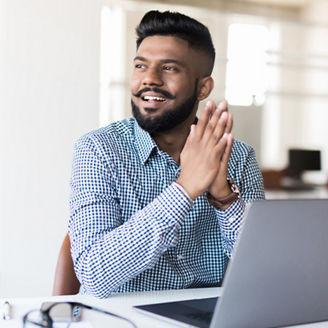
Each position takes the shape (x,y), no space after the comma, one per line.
(246,78)
(112,72)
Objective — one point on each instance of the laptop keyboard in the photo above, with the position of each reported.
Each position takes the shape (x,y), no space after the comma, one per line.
(201,316)
(197,313)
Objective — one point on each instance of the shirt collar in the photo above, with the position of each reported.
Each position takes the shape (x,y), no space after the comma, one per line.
(145,144)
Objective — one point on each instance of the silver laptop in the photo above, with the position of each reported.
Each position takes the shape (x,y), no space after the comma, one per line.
(278,275)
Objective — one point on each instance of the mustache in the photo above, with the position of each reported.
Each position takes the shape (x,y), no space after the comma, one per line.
(165,93)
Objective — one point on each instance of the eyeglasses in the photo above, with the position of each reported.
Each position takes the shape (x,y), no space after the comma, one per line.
(62,314)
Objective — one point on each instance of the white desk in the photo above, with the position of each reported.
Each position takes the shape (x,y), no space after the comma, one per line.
(318,192)
(120,304)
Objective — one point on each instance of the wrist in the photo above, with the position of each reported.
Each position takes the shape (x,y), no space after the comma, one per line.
(187,188)
(220,192)
(183,191)
(225,201)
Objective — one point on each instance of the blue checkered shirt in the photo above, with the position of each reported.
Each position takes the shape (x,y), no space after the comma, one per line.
(131,227)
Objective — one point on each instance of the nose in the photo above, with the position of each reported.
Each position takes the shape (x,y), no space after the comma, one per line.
(153,76)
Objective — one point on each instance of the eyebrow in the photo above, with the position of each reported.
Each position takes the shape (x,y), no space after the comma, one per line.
(164,61)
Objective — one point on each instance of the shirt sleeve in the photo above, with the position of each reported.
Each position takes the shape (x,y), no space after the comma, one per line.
(107,252)
(246,173)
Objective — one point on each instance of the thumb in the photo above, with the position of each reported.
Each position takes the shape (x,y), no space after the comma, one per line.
(191,135)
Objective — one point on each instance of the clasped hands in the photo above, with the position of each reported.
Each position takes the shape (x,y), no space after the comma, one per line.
(204,158)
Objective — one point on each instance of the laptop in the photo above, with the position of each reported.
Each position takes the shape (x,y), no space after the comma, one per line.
(278,274)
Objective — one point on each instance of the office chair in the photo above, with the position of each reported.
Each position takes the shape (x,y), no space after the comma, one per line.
(66,282)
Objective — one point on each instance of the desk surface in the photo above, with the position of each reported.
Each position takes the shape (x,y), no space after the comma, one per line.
(317,192)
(120,304)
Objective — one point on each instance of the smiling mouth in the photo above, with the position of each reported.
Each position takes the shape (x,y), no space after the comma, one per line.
(153,99)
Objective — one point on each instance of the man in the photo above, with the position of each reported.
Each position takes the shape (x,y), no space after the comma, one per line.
(151,204)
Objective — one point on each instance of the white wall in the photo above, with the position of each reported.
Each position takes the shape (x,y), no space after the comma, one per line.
(316,134)
(49,97)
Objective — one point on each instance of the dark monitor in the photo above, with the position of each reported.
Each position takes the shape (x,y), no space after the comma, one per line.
(304,160)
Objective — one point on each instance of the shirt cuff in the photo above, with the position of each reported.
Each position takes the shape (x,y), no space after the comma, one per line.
(184,192)
(171,207)
(230,218)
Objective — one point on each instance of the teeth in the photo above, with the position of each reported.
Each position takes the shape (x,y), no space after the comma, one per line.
(153,98)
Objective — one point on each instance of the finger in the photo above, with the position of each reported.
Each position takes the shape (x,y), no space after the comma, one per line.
(204,117)
(221,108)
(229,124)
(227,151)
(223,105)
(220,146)
(211,125)
(190,137)
(219,128)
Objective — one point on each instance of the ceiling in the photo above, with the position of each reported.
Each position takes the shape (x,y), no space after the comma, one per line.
(280,3)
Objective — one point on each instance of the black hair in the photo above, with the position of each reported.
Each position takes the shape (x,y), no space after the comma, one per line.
(179,25)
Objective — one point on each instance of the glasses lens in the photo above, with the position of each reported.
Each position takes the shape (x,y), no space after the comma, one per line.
(61,313)
(36,318)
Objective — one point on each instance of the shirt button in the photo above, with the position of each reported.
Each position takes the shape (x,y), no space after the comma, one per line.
(231,219)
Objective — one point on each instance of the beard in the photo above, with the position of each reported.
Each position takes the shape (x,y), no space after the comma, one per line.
(169,119)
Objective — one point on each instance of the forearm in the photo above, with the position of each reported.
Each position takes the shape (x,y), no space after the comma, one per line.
(251,188)
(118,255)
(230,221)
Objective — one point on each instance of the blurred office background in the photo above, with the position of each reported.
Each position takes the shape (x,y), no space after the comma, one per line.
(65,67)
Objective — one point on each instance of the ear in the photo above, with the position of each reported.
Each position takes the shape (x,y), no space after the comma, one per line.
(205,86)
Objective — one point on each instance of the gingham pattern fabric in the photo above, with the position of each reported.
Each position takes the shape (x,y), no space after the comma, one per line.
(132,228)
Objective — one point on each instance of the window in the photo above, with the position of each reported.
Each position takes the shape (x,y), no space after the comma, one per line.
(112,72)
(246,67)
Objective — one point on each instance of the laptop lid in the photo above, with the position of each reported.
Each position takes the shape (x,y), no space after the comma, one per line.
(278,275)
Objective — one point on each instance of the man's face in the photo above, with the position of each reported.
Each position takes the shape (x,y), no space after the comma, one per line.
(164,83)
